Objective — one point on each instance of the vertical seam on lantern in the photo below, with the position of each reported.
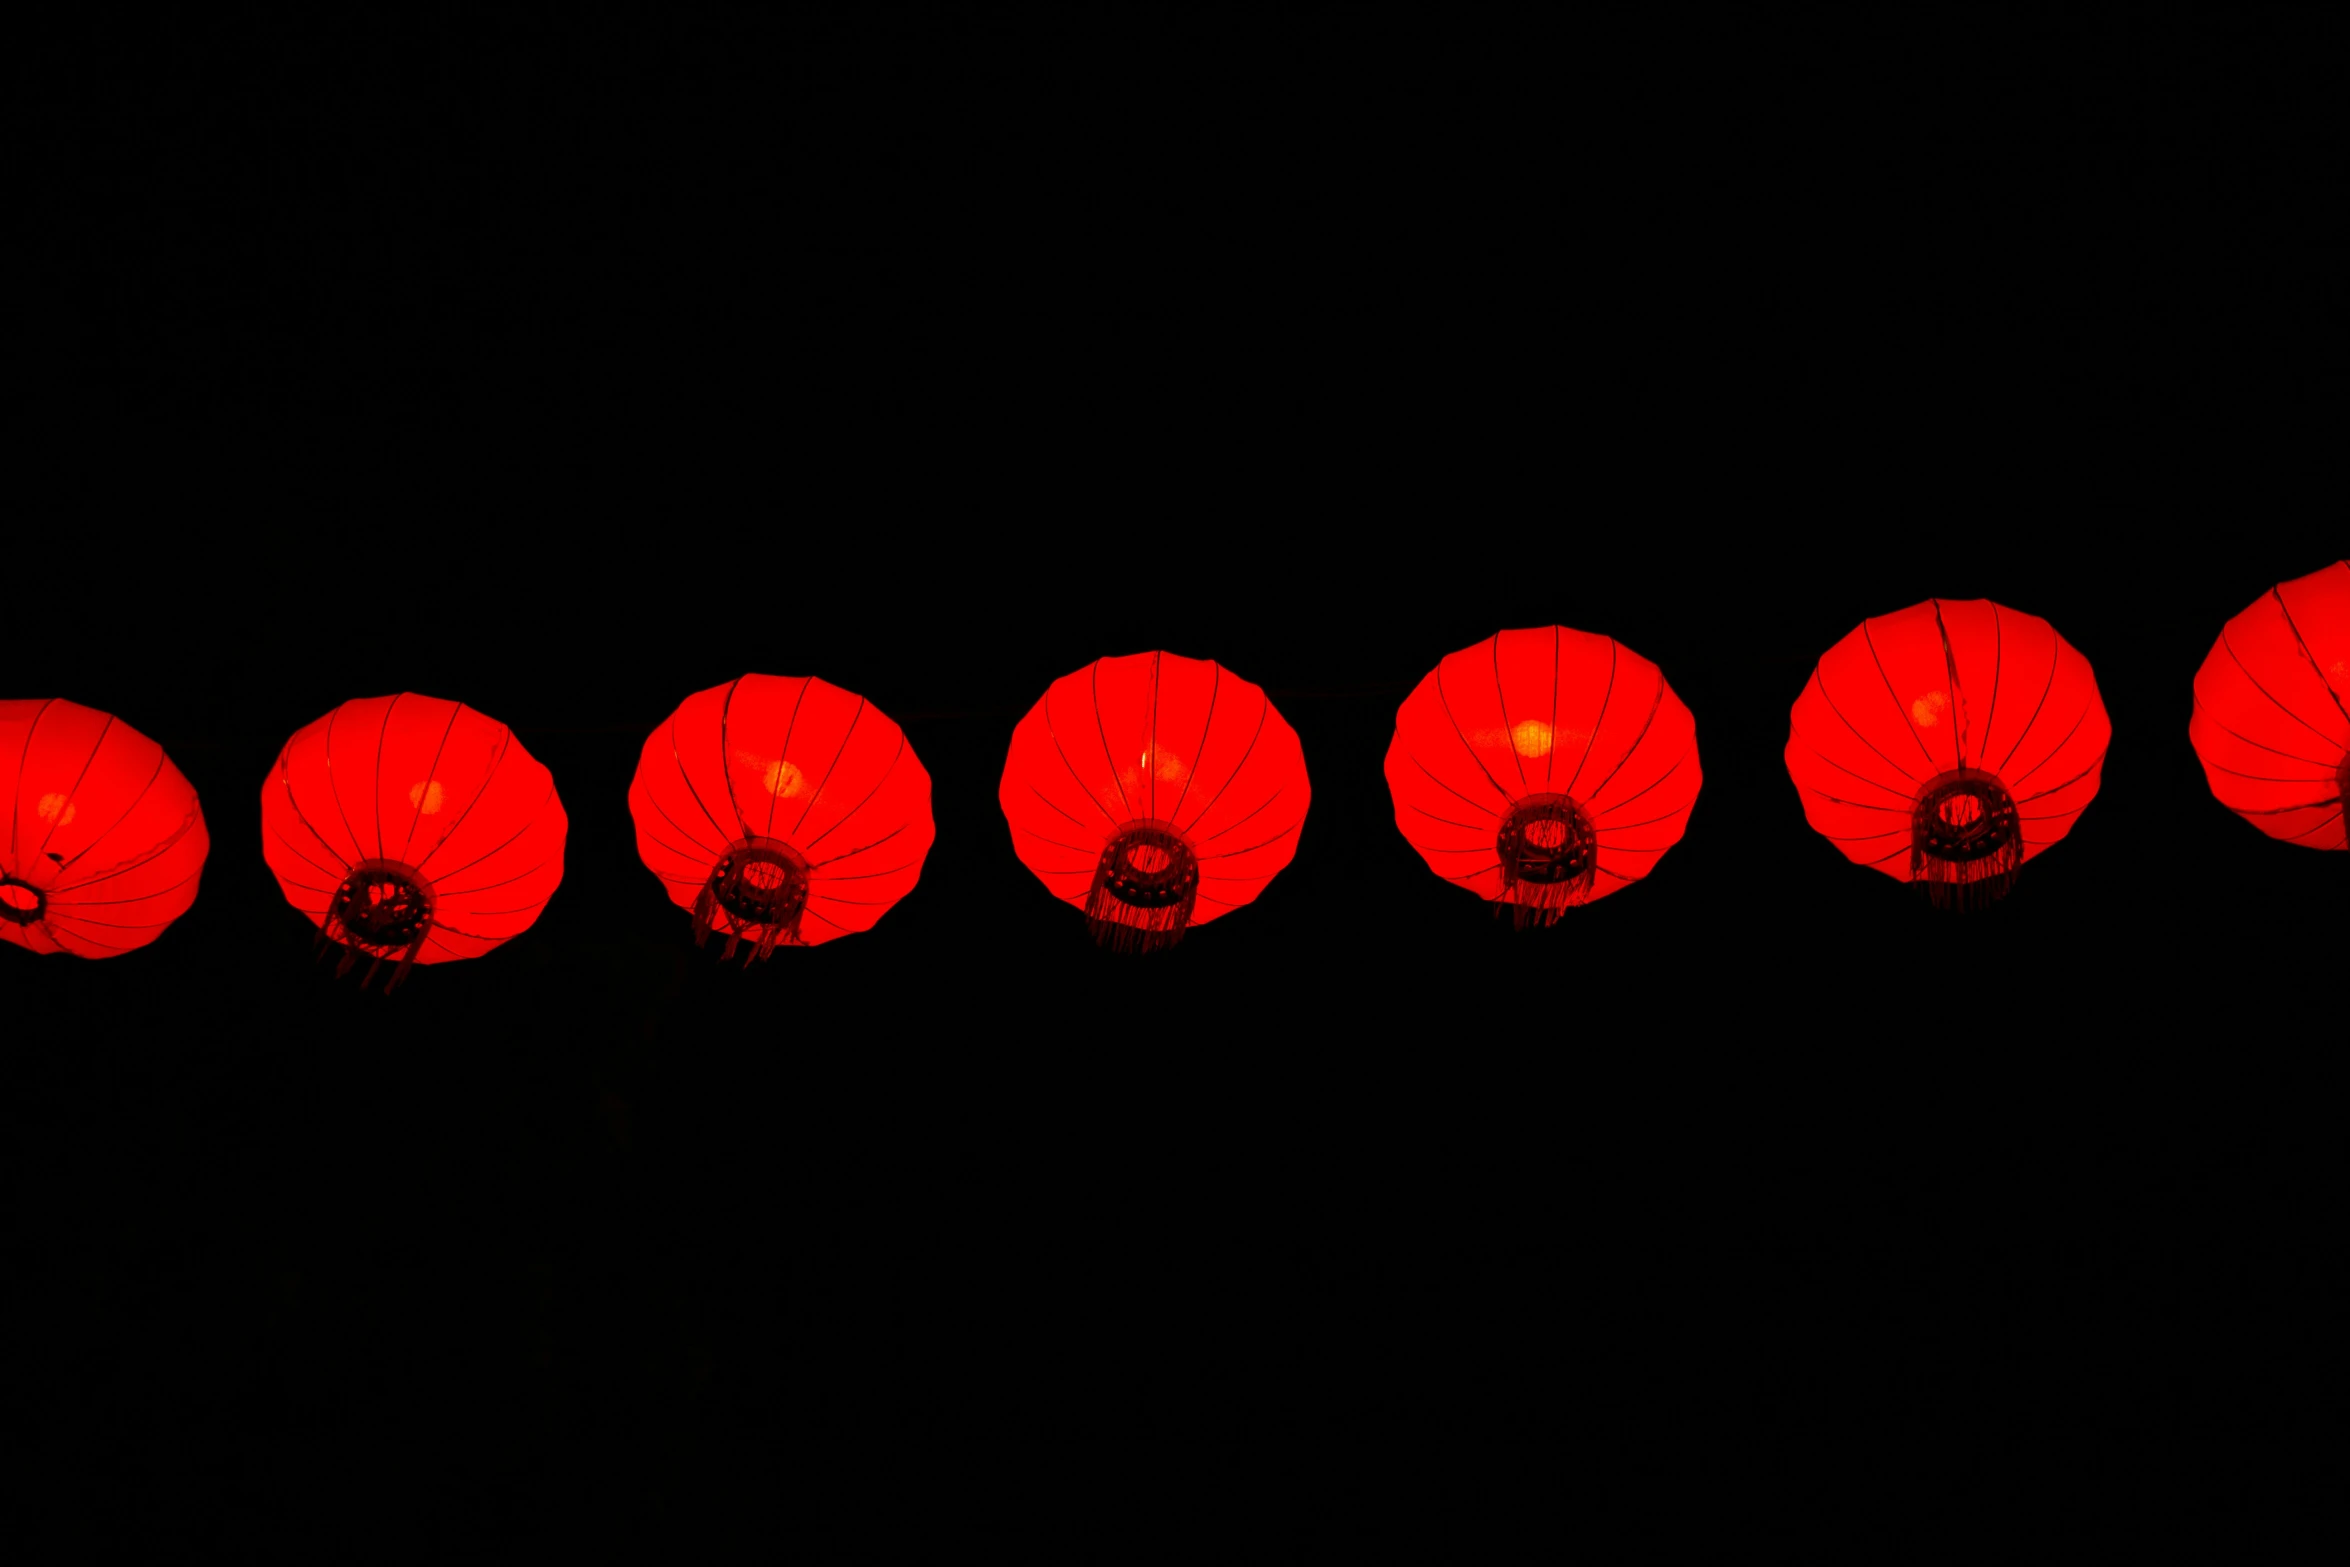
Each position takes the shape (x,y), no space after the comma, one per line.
(56,899)
(1643,789)
(1501,697)
(1102,729)
(1200,752)
(2264,691)
(161,759)
(718,853)
(24,757)
(726,754)
(1550,752)
(1821,680)
(478,796)
(431,771)
(1207,809)
(2055,660)
(1150,744)
(1268,800)
(869,794)
(1655,705)
(1950,673)
(781,755)
(1448,788)
(358,852)
(1607,696)
(2320,827)
(2302,643)
(1901,794)
(528,823)
(688,779)
(1894,696)
(2095,763)
(104,730)
(1998,667)
(1047,799)
(2017,782)
(286,777)
(1074,776)
(2257,745)
(833,768)
(875,844)
(381,735)
(1441,697)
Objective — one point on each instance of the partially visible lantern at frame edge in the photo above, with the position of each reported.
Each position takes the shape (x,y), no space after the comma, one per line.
(1543,769)
(1948,744)
(781,811)
(412,829)
(106,841)
(2272,711)
(1155,793)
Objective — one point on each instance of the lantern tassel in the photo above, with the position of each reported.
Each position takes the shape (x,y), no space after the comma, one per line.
(1542,903)
(1967,884)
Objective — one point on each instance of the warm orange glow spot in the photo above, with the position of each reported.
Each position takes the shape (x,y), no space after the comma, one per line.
(1927,709)
(426,797)
(781,779)
(56,810)
(1170,767)
(1532,738)
(19,897)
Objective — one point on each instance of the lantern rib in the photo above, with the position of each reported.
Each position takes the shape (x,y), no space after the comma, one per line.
(528,823)
(1102,729)
(1474,848)
(1821,681)
(2055,660)
(1446,820)
(160,759)
(337,875)
(1618,875)
(1950,672)
(2302,643)
(1869,637)
(853,903)
(853,853)
(430,773)
(1902,794)
(1601,832)
(1234,854)
(895,870)
(1998,665)
(1446,701)
(1626,848)
(689,837)
(895,758)
(23,756)
(1268,800)
(2287,810)
(1506,727)
(1882,858)
(842,751)
(186,826)
(299,886)
(1860,805)
(335,789)
(1056,843)
(2312,832)
(493,914)
(104,730)
(1199,752)
(2095,763)
(1074,776)
(2264,691)
(470,892)
(1048,800)
(479,795)
(55,901)
(1865,837)
(2017,781)
(2261,777)
(286,777)
(689,786)
(2248,740)
(1209,809)
(112,925)
(87,940)
(1222,903)
(380,736)
(781,752)
(816,913)
(1607,696)
(1150,744)
(1655,705)
(726,753)
(1550,752)
(1449,789)
(1660,778)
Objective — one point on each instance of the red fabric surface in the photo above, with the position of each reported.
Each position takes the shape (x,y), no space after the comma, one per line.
(1941,685)
(1156,737)
(2272,710)
(424,783)
(791,758)
(1548,710)
(101,823)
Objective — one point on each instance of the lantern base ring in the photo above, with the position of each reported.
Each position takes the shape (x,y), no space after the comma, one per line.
(384,909)
(1144,888)
(21,903)
(1549,858)
(1966,839)
(758,889)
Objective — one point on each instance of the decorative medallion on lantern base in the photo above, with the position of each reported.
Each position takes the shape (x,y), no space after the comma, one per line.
(384,909)
(758,890)
(1144,888)
(1549,858)
(1966,842)
(21,903)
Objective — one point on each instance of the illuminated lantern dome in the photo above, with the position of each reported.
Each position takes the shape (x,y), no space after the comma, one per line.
(1541,769)
(412,829)
(2272,711)
(781,811)
(1948,744)
(1154,792)
(105,840)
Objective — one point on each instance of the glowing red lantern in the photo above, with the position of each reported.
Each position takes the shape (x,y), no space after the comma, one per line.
(2272,711)
(1948,744)
(106,842)
(781,811)
(1542,769)
(414,829)
(1154,792)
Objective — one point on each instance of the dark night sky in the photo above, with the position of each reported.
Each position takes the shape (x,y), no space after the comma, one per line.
(567,364)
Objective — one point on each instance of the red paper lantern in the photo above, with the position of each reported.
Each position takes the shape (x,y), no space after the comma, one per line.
(1542,769)
(2272,711)
(106,842)
(1156,793)
(781,811)
(414,829)
(1948,744)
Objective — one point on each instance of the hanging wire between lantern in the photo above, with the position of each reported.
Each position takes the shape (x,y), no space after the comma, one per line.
(1966,840)
(1144,889)
(759,890)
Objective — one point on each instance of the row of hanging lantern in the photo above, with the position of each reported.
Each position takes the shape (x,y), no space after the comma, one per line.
(1947,744)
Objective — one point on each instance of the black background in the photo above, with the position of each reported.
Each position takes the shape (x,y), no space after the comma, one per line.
(566,364)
